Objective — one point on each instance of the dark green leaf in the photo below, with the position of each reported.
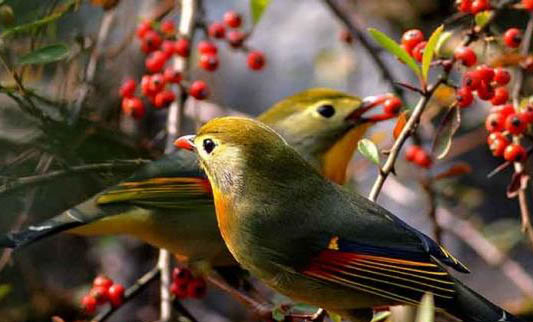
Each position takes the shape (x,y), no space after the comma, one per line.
(429,51)
(447,128)
(395,49)
(369,150)
(5,289)
(334,317)
(278,314)
(258,7)
(45,55)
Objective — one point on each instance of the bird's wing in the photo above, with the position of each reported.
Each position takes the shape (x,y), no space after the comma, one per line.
(172,182)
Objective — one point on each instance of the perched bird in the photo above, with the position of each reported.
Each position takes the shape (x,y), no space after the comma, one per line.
(314,241)
(169,204)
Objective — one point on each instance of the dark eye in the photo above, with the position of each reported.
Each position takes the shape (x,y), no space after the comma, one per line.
(209,145)
(326,110)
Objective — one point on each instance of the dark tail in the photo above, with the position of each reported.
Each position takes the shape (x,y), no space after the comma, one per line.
(65,221)
(469,306)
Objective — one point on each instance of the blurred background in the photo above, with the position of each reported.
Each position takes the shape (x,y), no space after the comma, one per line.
(300,40)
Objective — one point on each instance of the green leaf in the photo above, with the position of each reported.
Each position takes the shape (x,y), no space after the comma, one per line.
(429,51)
(45,55)
(278,314)
(440,48)
(381,316)
(483,17)
(334,317)
(395,49)
(426,310)
(449,124)
(369,150)
(5,289)
(258,8)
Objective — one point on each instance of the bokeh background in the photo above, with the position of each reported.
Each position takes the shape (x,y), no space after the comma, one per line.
(301,42)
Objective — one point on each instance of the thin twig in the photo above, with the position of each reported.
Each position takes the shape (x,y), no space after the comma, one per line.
(22,182)
(133,290)
(90,72)
(525,214)
(174,123)
(365,42)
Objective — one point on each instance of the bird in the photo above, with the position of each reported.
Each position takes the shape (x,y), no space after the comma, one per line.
(168,203)
(313,240)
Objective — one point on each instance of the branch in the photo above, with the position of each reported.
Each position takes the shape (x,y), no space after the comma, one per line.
(518,167)
(22,182)
(130,293)
(486,250)
(90,72)
(363,40)
(174,123)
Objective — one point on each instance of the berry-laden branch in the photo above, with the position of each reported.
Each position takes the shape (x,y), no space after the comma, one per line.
(518,166)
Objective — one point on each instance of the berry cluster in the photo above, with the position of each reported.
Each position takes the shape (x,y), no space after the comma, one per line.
(184,284)
(417,155)
(473,6)
(504,121)
(414,43)
(160,42)
(103,291)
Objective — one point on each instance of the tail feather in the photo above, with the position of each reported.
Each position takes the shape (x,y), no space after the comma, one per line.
(470,306)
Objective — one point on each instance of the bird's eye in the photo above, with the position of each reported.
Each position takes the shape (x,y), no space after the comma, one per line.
(209,145)
(326,110)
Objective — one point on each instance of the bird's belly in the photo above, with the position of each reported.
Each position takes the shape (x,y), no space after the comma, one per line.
(191,235)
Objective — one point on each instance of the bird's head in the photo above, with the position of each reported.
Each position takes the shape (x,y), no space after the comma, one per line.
(323,125)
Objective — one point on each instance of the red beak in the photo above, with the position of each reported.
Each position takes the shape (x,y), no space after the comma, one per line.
(185,142)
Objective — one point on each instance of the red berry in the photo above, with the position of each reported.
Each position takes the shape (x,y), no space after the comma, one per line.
(179,290)
(217,30)
(485,73)
(145,86)
(182,47)
(495,136)
(127,89)
(103,281)
(100,294)
(116,295)
(199,90)
(156,83)
(501,76)
(422,159)
(466,55)
(504,110)
(170,75)
(167,27)
(471,80)
(465,6)
(256,60)
(512,37)
(232,19)
(152,41)
(345,36)
(206,47)
(411,152)
(155,62)
(515,124)
(495,122)
(527,115)
(501,95)
(143,28)
(208,62)
(411,38)
(485,91)
(479,5)
(498,145)
(235,38)
(167,47)
(181,275)
(197,288)
(418,51)
(464,97)
(164,98)
(528,4)
(392,106)
(514,153)
(88,303)
(137,108)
